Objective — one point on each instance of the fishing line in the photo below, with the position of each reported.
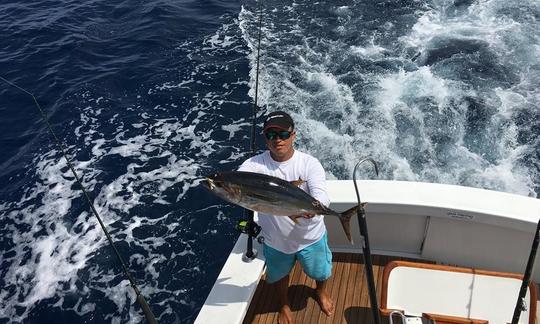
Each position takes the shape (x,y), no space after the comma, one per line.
(140,298)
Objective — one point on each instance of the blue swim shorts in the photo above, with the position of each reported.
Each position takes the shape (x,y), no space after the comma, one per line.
(316,260)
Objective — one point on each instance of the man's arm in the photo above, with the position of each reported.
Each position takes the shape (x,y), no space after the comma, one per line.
(317,182)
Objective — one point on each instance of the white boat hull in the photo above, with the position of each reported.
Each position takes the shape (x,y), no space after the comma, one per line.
(449,224)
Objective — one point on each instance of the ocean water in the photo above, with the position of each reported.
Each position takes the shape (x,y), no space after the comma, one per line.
(150,97)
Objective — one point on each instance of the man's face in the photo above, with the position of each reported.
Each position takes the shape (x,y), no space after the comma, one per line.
(278,144)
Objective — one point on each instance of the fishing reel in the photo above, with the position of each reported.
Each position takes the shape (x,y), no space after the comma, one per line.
(250,228)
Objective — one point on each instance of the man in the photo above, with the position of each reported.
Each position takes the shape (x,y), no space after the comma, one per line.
(300,238)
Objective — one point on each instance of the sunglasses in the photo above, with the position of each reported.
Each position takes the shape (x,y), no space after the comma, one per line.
(272,135)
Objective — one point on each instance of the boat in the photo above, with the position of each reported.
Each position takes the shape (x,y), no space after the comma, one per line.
(441,253)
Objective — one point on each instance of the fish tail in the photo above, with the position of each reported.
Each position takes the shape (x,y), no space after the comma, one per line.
(345,219)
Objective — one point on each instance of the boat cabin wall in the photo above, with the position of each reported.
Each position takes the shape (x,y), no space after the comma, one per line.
(448,234)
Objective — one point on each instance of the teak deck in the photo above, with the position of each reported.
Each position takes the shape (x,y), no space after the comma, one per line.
(347,286)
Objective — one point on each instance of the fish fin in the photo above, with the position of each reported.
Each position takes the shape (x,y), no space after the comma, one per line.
(297,183)
(345,219)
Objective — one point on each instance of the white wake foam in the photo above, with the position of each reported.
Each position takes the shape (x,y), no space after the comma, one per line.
(419,122)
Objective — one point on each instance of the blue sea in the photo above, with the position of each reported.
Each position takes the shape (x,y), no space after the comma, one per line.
(150,96)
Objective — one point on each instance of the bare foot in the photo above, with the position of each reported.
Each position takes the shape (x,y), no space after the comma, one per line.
(285,315)
(326,303)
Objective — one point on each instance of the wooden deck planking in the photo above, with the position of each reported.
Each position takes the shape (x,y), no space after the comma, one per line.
(357,293)
(297,291)
(347,287)
(334,286)
(340,300)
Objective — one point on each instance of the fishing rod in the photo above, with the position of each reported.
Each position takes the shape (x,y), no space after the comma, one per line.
(255,104)
(362,223)
(252,229)
(520,305)
(140,298)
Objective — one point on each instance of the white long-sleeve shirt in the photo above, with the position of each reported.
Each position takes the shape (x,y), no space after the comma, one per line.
(281,232)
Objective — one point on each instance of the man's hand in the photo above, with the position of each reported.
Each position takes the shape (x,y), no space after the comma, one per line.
(294,218)
(308,215)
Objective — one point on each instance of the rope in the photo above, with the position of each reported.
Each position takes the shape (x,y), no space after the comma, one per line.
(146,309)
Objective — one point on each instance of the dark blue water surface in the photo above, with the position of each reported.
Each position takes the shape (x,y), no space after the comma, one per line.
(150,97)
